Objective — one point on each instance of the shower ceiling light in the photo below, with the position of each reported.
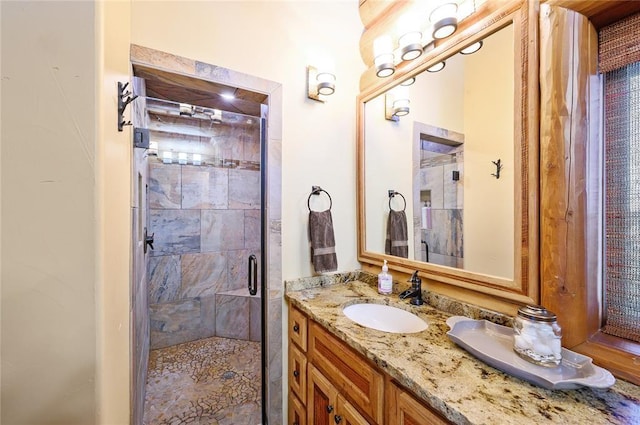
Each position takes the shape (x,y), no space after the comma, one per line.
(319,84)
(186,110)
(472,48)
(437,67)
(216,116)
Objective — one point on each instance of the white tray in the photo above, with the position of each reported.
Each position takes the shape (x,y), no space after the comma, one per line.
(493,344)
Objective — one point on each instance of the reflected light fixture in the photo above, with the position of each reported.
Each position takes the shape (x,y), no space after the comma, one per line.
(444,20)
(437,67)
(167,157)
(319,83)
(228,96)
(383,53)
(472,48)
(197,159)
(396,103)
(408,81)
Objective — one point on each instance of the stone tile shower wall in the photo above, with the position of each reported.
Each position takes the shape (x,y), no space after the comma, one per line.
(206,221)
(445,237)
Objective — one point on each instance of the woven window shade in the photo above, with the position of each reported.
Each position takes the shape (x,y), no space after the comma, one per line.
(619,44)
(622,204)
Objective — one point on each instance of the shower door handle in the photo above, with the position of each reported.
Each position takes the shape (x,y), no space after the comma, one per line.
(252,275)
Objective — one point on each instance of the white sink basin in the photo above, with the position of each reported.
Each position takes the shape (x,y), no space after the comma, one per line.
(384,318)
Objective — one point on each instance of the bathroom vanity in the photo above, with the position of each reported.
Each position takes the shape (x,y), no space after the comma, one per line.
(342,372)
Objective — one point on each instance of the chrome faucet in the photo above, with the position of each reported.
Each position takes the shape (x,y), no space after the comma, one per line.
(415,292)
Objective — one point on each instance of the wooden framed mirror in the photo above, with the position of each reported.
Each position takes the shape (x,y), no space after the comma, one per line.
(466,154)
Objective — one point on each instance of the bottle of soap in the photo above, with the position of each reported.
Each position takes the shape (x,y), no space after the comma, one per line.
(385,281)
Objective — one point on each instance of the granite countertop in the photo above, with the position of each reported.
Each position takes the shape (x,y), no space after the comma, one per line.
(448,378)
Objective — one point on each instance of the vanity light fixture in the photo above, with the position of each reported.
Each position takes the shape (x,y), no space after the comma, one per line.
(410,45)
(472,48)
(444,20)
(437,67)
(444,28)
(383,53)
(319,84)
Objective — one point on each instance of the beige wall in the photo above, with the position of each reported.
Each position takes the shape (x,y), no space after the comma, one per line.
(489,134)
(65,243)
(48,216)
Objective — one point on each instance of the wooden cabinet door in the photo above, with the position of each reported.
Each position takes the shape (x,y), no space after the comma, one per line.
(404,409)
(298,373)
(347,414)
(360,382)
(321,399)
(298,328)
(297,412)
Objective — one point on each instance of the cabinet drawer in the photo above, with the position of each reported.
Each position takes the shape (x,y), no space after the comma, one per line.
(297,412)
(298,328)
(298,373)
(404,409)
(361,384)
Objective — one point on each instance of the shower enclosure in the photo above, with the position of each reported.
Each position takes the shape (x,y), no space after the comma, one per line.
(200,186)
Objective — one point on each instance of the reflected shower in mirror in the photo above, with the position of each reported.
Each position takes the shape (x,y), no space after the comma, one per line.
(440,154)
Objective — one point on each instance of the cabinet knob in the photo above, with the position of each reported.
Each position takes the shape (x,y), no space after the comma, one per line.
(296,373)
(296,328)
(329,408)
(337,418)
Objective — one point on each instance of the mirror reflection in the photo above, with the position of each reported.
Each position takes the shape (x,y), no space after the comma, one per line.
(439,154)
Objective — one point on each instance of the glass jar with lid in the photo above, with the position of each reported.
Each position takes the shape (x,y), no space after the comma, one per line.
(538,337)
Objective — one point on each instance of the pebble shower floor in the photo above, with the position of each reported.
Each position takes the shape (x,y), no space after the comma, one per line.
(213,381)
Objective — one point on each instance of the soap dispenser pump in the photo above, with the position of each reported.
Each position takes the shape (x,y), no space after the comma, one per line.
(385,281)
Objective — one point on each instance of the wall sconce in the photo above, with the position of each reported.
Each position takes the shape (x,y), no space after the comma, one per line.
(319,83)
(472,48)
(396,104)
(444,20)
(437,67)
(383,53)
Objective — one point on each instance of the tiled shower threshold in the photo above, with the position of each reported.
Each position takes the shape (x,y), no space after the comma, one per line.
(212,381)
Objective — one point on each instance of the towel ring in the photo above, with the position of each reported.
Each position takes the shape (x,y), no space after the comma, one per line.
(393,193)
(315,190)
